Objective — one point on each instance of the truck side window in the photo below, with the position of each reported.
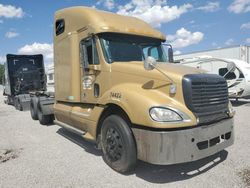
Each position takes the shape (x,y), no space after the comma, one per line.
(59,27)
(92,55)
(95,53)
(89,52)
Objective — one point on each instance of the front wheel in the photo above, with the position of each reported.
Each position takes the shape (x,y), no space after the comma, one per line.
(118,145)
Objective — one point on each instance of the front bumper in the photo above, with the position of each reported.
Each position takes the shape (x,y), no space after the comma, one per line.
(172,147)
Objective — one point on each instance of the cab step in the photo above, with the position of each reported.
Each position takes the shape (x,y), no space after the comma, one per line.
(70,128)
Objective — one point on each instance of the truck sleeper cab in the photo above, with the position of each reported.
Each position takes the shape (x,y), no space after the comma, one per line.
(115,86)
(23,74)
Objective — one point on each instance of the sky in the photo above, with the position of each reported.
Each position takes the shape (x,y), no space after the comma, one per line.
(26,26)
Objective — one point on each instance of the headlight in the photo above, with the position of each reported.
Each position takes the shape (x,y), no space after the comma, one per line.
(164,115)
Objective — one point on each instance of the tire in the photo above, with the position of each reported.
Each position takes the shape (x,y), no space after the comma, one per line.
(44,119)
(118,145)
(33,108)
(8,100)
(17,104)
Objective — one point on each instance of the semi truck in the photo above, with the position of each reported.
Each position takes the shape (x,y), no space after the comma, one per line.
(115,86)
(23,74)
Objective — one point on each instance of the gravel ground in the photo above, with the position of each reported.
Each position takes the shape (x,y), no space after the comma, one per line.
(32,155)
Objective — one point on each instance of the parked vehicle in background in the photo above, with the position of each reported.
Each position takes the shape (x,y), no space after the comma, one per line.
(50,78)
(23,74)
(240,52)
(115,86)
(236,72)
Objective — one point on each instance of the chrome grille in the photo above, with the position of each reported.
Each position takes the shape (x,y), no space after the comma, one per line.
(206,95)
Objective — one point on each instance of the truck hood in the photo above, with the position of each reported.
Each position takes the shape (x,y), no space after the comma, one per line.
(174,71)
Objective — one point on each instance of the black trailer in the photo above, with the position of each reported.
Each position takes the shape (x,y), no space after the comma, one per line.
(23,74)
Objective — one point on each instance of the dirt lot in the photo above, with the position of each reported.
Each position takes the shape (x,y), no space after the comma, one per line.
(32,155)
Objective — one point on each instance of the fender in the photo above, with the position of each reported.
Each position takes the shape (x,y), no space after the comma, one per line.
(136,102)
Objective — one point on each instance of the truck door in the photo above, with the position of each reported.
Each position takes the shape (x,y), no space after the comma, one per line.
(90,88)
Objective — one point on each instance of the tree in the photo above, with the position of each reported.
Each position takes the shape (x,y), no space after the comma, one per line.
(1,73)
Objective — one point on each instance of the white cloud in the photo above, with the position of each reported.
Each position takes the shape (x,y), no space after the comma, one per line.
(109,4)
(240,6)
(154,12)
(177,52)
(229,42)
(11,34)
(210,7)
(248,40)
(38,48)
(245,26)
(183,38)
(2,59)
(9,11)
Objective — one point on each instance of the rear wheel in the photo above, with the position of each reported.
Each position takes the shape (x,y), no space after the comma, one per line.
(33,108)
(43,119)
(118,144)
(17,104)
(8,100)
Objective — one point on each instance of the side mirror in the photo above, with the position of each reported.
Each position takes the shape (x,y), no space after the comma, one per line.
(170,55)
(149,63)
(231,67)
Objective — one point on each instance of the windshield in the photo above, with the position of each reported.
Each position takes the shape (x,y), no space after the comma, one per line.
(125,48)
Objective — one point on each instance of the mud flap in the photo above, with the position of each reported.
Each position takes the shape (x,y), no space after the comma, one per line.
(46,104)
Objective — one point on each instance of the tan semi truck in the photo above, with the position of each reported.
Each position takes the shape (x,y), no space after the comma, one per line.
(116,86)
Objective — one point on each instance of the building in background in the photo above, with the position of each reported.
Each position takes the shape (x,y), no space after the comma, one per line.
(240,52)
